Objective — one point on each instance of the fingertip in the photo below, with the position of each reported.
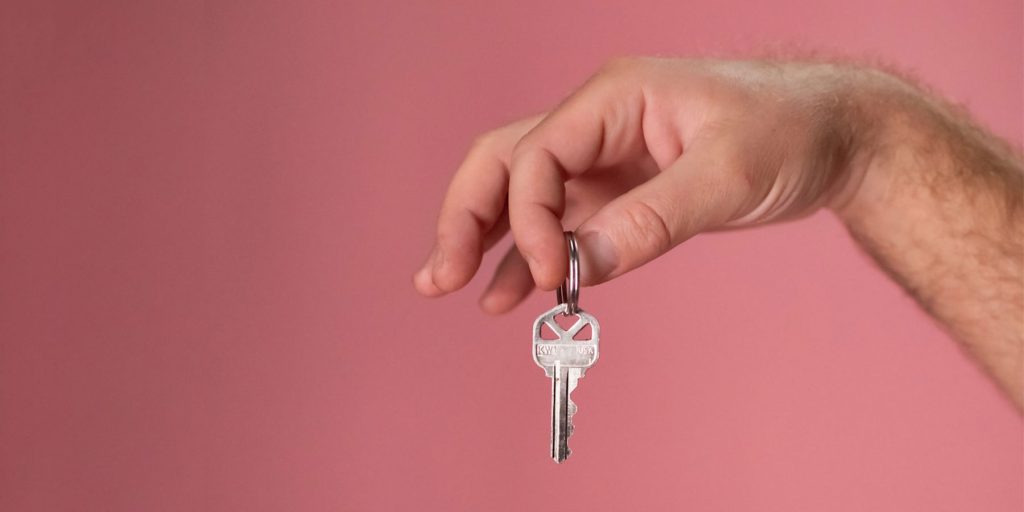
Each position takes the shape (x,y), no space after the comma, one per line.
(496,301)
(544,249)
(547,280)
(448,275)
(493,304)
(424,283)
(544,277)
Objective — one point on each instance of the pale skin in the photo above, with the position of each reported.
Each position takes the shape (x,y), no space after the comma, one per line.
(651,152)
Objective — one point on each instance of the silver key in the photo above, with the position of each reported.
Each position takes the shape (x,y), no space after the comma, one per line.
(565,360)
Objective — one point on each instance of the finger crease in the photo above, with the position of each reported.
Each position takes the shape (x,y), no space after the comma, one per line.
(663,235)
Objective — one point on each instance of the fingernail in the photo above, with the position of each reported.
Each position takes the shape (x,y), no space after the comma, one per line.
(422,274)
(428,264)
(438,262)
(532,263)
(424,277)
(598,258)
(424,281)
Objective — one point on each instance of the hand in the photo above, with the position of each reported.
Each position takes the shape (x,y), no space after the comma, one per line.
(645,155)
(650,152)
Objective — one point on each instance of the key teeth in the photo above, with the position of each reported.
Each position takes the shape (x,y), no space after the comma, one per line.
(563,459)
(569,428)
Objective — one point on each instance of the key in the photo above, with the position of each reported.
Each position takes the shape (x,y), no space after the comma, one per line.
(565,360)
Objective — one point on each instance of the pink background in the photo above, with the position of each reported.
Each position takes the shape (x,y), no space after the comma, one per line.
(210,213)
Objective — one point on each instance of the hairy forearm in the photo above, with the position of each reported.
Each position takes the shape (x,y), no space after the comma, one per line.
(938,203)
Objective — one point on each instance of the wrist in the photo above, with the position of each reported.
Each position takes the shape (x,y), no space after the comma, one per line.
(895,133)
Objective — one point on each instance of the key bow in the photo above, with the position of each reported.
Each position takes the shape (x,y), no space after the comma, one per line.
(565,351)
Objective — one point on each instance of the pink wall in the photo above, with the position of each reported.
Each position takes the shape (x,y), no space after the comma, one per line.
(210,213)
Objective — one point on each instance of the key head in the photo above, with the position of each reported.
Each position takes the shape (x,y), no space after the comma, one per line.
(563,350)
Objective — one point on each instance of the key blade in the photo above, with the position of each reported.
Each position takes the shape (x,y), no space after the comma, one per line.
(561,414)
(563,410)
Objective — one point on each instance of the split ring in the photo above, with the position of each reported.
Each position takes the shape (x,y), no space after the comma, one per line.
(569,292)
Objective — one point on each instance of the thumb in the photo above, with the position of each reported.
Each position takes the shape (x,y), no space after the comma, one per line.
(694,194)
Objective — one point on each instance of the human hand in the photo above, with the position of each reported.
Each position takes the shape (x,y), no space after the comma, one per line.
(650,152)
(646,154)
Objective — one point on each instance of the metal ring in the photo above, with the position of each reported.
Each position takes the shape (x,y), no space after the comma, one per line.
(569,292)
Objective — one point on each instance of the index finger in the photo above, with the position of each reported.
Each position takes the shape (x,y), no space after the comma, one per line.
(600,125)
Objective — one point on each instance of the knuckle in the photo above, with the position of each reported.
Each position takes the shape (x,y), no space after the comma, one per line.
(519,149)
(621,73)
(622,66)
(646,227)
(458,226)
(525,149)
(484,143)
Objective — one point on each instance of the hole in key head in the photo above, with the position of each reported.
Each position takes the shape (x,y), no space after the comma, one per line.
(547,334)
(584,334)
(566,321)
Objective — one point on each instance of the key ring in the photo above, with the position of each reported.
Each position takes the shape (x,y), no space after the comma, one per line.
(569,292)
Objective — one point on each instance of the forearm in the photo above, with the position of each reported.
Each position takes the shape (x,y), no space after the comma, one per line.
(938,203)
